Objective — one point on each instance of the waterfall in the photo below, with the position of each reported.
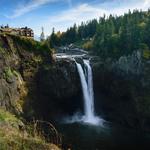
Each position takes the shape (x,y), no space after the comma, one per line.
(87,99)
(90,86)
(88,94)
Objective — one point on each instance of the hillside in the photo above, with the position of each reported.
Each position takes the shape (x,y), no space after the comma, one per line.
(20,59)
(121,66)
(111,36)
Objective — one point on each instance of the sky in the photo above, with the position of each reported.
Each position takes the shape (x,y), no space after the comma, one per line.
(61,14)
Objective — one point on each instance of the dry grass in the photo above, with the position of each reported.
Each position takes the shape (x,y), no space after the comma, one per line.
(13,135)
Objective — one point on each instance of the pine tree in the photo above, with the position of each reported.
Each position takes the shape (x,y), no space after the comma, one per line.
(111,36)
(42,37)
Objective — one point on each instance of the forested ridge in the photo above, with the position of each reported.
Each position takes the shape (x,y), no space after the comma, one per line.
(111,36)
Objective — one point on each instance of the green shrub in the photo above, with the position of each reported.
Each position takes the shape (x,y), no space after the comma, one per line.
(31,45)
(146,54)
(8,73)
(87,45)
(7,117)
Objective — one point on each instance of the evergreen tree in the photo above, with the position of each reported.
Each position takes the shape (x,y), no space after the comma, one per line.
(111,36)
(42,37)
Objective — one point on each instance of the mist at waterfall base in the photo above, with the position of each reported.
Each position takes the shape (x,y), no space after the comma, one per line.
(86,78)
(90,132)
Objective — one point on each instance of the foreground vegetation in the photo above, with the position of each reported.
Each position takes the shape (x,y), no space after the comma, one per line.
(14,134)
(19,63)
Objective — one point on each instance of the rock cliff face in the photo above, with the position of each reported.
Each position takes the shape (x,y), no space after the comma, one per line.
(122,90)
(32,85)
(58,89)
(18,67)
(11,82)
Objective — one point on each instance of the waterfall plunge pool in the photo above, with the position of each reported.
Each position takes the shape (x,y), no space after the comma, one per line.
(89,132)
(77,136)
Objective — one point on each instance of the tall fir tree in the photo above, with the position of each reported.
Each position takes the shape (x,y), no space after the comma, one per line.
(42,37)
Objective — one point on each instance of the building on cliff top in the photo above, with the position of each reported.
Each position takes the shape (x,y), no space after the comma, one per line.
(25,31)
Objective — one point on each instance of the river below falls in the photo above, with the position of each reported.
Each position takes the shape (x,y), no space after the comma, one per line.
(86,137)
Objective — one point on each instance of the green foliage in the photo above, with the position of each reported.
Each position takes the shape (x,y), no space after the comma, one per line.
(117,36)
(32,45)
(8,73)
(73,34)
(87,46)
(12,137)
(80,43)
(146,54)
(1,49)
(7,117)
(113,36)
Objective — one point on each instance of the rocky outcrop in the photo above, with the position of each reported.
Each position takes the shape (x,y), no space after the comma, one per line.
(18,66)
(32,85)
(58,89)
(122,90)
(21,60)
(131,64)
(10,80)
(10,91)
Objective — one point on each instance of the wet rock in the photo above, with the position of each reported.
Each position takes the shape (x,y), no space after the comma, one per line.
(122,90)
(60,89)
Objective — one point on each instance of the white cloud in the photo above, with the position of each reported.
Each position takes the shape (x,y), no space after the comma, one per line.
(28,7)
(146,2)
(76,15)
(85,12)
(67,18)
(82,12)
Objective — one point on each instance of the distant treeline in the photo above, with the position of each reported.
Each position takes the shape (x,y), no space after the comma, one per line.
(111,36)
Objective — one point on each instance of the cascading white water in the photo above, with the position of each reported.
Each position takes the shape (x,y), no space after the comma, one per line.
(90,103)
(88,94)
